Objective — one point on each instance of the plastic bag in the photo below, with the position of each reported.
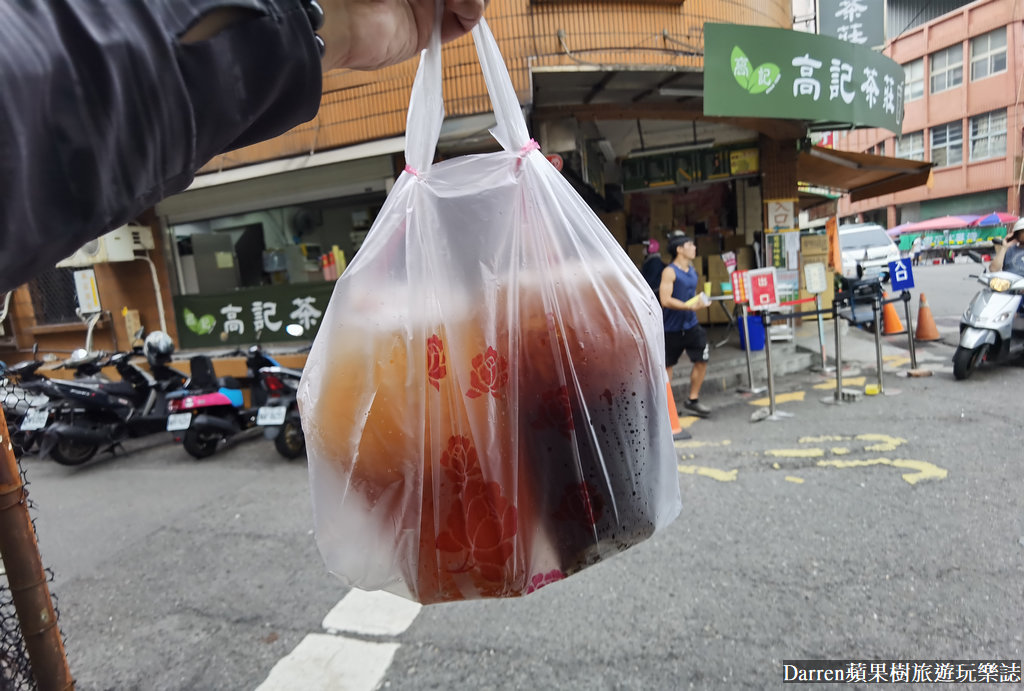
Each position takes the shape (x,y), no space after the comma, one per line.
(484,404)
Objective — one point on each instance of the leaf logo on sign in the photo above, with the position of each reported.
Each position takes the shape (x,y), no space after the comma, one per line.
(202,325)
(761,79)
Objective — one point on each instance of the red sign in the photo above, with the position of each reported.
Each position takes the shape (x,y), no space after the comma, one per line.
(556,161)
(739,287)
(762,289)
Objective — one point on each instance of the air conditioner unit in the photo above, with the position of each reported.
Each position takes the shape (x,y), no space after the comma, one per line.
(116,246)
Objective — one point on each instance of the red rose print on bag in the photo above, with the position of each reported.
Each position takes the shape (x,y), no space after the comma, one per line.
(460,461)
(481,524)
(436,365)
(490,373)
(581,503)
(540,580)
(555,411)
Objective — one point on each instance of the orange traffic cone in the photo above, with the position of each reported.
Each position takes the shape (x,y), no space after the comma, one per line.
(926,330)
(892,322)
(673,415)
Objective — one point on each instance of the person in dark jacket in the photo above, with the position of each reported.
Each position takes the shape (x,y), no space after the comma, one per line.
(110,106)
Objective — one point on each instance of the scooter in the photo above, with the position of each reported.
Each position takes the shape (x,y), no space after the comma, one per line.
(210,409)
(89,414)
(992,326)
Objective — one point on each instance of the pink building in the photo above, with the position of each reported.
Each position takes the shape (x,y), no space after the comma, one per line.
(963,112)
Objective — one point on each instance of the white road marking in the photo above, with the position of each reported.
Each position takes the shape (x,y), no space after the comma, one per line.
(334,662)
(321,662)
(371,613)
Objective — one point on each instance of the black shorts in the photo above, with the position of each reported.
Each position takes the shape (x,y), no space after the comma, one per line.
(694,341)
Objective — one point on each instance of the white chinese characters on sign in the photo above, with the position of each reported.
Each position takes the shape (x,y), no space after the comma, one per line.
(232,324)
(870,86)
(806,84)
(842,75)
(305,313)
(850,12)
(263,312)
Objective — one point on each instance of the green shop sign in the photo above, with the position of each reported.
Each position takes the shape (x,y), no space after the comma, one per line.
(274,313)
(755,71)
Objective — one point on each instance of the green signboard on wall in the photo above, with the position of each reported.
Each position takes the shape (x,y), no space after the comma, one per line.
(268,313)
(755,71)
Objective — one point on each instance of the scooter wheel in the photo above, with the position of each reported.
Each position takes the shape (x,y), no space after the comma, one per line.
(965,361)
(290,441)
(200,444)
(68,452)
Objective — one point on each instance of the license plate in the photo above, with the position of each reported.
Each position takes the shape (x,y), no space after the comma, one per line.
(271,415)
(35,418)
(178,421)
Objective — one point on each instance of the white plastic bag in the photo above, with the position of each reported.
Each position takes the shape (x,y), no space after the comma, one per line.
(485,404)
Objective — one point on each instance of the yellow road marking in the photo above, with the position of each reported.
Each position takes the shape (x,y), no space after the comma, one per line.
(818,440)
(687,421)
(885,442)
(695,444)
(923,469)
(797,480)
(796,453)
(781,398)
(847,381)
(840,450)
(898,361)
(713,473)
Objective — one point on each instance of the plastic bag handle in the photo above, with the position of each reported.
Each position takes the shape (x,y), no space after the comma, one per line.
(426,102)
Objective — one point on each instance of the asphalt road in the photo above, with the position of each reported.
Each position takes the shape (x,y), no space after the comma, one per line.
(887,528)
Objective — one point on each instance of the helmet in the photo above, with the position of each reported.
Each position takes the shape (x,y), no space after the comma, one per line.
(1017,227)
(158,347)
(653,247)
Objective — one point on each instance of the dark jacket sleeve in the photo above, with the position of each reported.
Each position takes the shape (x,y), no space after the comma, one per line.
(103,112)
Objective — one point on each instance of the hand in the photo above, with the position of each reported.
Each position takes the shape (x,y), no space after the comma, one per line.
(370,34)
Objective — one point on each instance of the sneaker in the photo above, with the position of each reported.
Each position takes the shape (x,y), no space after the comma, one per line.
(697,408)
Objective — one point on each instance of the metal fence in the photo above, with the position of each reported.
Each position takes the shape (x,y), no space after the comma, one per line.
(16,671)
(53,296)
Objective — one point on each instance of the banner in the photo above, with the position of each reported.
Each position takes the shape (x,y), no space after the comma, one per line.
(776,73)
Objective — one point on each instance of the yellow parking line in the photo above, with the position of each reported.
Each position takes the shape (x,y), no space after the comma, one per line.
(695,444)
(713,473)
(781,398)
(687,421)
(796,453)
(923,469)
(847,381)
(795,480)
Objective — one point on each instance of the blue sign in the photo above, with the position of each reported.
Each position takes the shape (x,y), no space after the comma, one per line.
(901,276)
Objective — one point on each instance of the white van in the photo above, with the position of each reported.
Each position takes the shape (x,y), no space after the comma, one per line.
(866,244)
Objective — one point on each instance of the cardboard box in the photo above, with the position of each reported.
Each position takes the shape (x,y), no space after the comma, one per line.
(745,258)
(616,224)
(731,243)
(814,244)
(715,269)
(661,214)
(708,245)
(637,253)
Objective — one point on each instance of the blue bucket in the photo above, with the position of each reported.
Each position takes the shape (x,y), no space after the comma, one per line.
(756,332)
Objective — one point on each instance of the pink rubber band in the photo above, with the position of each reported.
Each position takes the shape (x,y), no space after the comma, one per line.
(531,145)
(409,169)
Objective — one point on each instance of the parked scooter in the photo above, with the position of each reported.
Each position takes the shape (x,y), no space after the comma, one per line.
(992,326)
(279,411)
(17,403)
(94,413)
(210,409)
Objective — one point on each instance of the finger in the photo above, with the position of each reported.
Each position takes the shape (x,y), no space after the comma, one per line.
(460,17)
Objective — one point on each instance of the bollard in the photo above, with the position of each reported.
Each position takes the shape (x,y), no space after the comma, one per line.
(876,307)
(839,353)
(910,330)
(766,320)
(821,332)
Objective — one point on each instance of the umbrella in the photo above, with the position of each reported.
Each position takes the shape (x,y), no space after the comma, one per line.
(897,230)
(996,218)
(941,223)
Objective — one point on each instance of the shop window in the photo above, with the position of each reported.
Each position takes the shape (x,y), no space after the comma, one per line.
(988,135)
(53,297)
(913,85)
(947,68)
(279,246)
(911,146)
(947,144)
(988,54)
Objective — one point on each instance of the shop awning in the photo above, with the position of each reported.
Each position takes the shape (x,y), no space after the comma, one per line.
(862,175)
